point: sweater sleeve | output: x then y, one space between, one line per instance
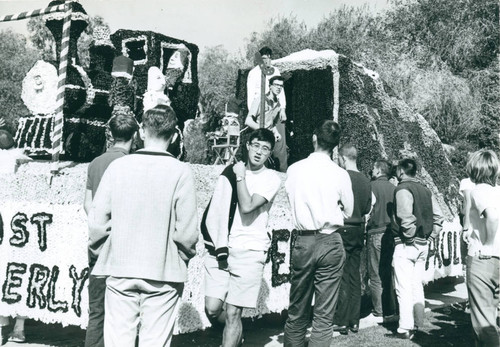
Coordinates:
346 196
437 218
99 219
186 219
405 218
218 215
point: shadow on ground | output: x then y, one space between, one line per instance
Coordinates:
52 335
445 326
257 332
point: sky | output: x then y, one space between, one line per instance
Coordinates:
205 23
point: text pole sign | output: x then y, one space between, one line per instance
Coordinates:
43 262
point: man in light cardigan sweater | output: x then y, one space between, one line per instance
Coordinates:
145 207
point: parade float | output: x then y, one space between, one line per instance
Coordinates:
43 230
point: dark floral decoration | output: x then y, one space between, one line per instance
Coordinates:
278 258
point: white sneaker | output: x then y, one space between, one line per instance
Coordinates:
17 336
375 319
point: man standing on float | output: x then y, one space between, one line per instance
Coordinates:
254 93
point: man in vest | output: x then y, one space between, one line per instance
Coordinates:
417 221
353 234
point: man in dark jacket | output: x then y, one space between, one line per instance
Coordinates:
349 304
417 222
380 242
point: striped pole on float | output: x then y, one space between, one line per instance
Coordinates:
61 83
34 13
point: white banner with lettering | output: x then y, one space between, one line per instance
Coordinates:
44 267
43 262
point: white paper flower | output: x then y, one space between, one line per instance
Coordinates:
39 91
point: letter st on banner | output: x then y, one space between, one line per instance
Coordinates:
43 263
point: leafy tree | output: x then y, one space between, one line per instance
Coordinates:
352 31
16 58
439 56
463 33
218 71
285 36
42 38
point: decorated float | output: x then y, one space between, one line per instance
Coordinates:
43 230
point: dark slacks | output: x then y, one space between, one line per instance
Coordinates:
94 336
316 262
280 152
380 250
349 303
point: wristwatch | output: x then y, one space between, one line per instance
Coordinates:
240 178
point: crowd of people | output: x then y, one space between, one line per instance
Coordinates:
143 230
139 252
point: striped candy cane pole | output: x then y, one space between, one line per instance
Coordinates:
33 13
63 66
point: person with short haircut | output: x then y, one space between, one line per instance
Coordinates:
321 197
417 221
353 236
483 272
254 82
380 243
248 241
144 217
123 126
272 121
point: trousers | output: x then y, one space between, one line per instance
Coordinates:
94 337
482 285
380 249
155 303
409 268
280 151
349 302
316 269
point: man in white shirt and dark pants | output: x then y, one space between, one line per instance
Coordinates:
321 198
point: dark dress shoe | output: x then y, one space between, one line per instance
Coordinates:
342 329
354 328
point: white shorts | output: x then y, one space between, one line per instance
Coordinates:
216 279
246 268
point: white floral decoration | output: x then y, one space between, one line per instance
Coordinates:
39 91
101 36
60 16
